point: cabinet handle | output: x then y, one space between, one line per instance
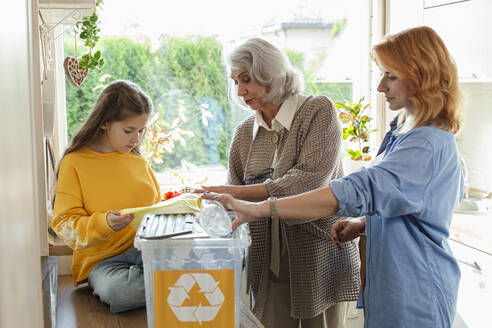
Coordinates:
474 265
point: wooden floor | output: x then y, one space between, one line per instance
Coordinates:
77 307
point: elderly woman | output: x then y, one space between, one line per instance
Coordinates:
289 145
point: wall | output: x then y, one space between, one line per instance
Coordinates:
402 14
20 169
465 29
474 141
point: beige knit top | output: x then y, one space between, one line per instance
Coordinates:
308 157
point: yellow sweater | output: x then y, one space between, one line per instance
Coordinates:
90 184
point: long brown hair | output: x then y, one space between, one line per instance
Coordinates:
119 100
420 57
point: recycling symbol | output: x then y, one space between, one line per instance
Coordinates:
179 293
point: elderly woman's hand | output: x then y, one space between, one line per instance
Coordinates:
234 191
246 211
346 230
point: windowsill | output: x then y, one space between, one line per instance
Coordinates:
58 247
473 230
192 177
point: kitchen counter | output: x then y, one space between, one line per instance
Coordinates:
473 230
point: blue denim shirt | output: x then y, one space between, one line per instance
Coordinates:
408 199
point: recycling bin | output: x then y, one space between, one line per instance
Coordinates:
192 279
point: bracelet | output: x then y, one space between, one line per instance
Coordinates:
273 207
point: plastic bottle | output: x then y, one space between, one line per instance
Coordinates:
214 219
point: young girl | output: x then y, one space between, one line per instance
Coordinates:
99 174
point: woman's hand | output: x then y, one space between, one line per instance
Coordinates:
246 211
346 230
252 193
234 191
118 222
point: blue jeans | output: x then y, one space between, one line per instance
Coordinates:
119 281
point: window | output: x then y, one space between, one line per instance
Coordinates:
175 52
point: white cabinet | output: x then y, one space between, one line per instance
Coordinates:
475 291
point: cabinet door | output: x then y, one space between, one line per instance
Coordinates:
475 291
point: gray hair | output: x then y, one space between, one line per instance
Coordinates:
267 65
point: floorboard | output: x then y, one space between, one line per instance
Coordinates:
77 307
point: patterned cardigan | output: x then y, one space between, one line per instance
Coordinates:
308 157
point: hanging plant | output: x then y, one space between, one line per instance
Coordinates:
88 29
76 70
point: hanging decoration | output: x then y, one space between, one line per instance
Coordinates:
46 48
75 74
76 70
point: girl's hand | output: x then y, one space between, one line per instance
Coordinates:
118 222
346 230
246 211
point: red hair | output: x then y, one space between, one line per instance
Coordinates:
420 57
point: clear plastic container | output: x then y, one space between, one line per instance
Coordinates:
194 280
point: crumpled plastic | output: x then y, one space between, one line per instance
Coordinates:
182 204
214 219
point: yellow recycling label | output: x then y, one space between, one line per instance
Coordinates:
202 298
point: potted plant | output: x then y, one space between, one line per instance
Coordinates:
356 129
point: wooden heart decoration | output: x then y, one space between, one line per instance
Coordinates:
76 75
